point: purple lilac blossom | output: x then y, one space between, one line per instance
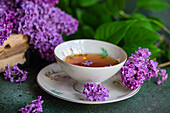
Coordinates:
7 4
7 21
138 68
15 74
13 4
52 2
94 92
34 107
44 24
162 76
87 63
49 2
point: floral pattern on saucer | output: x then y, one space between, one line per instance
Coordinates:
57 83
57 76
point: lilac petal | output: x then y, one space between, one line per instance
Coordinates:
159 82
34 107
94 92
15 74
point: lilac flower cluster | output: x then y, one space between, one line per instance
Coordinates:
34 107
7 21
44 24
13 4
52 2
94 92
15 74
138 68
162 76
87 63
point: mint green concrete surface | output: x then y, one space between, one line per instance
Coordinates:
152 98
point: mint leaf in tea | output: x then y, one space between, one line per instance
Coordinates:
91 60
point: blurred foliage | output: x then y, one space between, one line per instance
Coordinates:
165 51
105 20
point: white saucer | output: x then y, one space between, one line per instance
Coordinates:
54 81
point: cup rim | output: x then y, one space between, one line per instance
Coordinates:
89 67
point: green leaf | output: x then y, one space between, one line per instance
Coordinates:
163 45
64 5
155 5
154 59
74 3
153 49
137 37
84 32
165 51
151 23
59 93
95 15
79 15
142 21
114 6
86 3
138 16
132 48
104 52
113 32
155 26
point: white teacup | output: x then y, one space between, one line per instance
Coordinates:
89 74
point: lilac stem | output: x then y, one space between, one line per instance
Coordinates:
164 64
